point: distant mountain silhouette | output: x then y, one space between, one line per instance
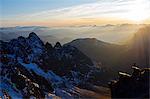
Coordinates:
105 53
110 33
140 46
117 56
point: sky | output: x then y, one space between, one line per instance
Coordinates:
73 12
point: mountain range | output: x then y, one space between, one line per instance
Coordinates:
79 69
30 68
117 56
66 34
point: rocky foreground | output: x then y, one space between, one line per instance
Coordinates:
135 85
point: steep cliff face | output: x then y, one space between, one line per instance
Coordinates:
135 85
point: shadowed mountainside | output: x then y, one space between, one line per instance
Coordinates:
117 56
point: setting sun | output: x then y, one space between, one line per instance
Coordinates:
126 11
138 11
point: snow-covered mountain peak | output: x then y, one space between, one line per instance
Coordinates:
30 68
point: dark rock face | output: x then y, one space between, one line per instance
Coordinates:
14 76
48 46
57 46
131 86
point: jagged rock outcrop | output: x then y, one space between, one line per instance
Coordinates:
18 75
58 45
48 46
135 85
30 68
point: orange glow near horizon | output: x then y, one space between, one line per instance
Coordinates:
100 12
73 22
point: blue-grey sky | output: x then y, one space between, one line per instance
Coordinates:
14 7
73 12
